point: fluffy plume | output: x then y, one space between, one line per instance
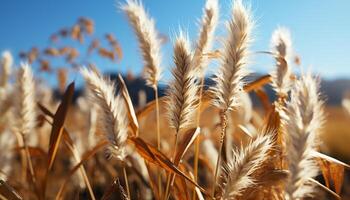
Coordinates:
282 48
6 64
238 174
206 35
182 93
305 118
25 103
149 43
234 59
113 116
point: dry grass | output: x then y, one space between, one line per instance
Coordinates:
241 152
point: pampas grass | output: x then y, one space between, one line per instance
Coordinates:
182 95
274 148
113 115
282 48
305 117
147 36
25 105
205 39
238 174
229 78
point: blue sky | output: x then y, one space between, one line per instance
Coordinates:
320 28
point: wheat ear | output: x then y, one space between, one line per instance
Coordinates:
229 78
239 173
113 116
303 120
282 48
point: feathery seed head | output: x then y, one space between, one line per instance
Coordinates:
303 121
25 101
209 22
144 28
238 175
282 48
182 93
113 116
229 78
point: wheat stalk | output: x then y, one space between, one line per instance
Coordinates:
282 48
239 173
229 78
113 116
305 117
144 28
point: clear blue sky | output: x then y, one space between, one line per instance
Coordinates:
320 28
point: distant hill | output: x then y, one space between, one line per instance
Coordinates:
332 90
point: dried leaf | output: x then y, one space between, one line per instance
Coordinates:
264 98
7 192
332 170
324 188
58 122
152 155
257 83
33 151
131 112
272 123
184 145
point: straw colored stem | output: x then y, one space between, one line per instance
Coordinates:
222 137
126 180
197 142
158 137
171 177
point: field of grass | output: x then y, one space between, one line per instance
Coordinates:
192 143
